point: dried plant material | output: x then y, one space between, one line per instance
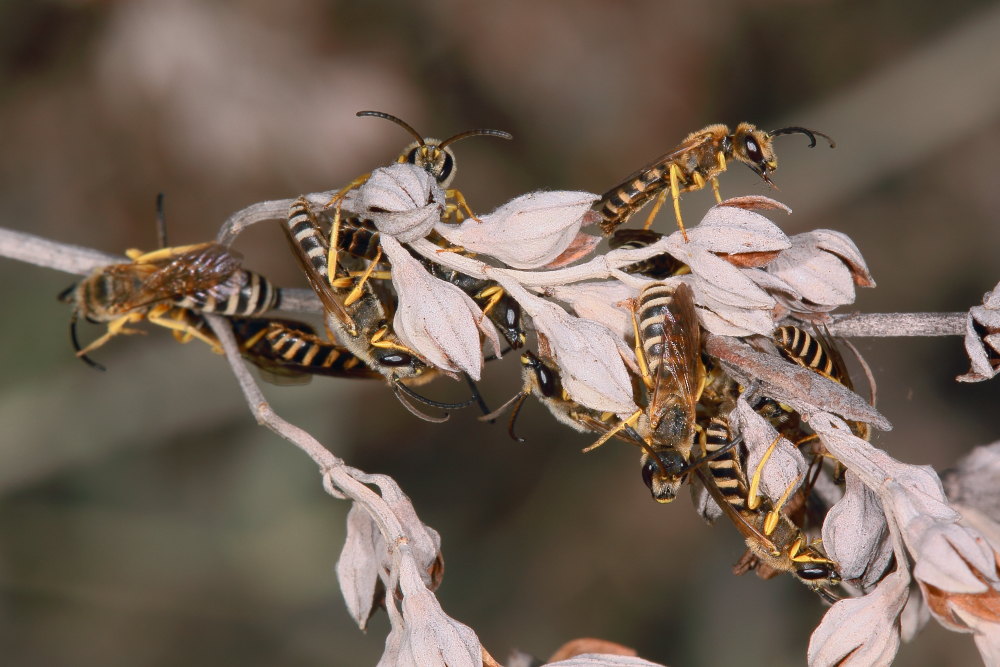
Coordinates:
750 260
863 631
588 354
756 203
803 389
358 565
579 247
785 467
854 531
585 645
403 200
437 319
975 481
602 302
732 230
527 232
823 270
982 339
914 616
603 660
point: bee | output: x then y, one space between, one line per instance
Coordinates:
818 353
773 539
668 349
164 287
433 156
291 349
656 267
362 325
696 162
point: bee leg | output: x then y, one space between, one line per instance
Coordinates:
377 341
182 327
771 520
333 249
715 190
115 328
675 192
458 207
621 426
356 293
657 205
140 257
640 353
342 192
493 293
753 495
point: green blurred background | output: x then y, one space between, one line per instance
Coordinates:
146 519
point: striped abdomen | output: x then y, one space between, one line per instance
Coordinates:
243 293
725 470
306 350
657 267
306 233
654 306
618 205
805 350
358 237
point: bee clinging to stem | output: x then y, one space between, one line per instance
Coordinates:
692 165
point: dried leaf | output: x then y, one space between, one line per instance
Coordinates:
580 247
437 319
431 637
527 232
601 302
975 481
756 202
803 389
861 631
359 564
403 200
784 467
588 354
816 268
589 645
730 229
602 660
982 339
854 529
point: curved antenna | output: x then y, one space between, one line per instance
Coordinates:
401 396
398 121
76 344
806 131
500 134
476 397
161 222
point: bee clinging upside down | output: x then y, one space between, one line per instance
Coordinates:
695 163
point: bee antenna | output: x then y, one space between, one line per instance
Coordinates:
725 449
806 131
398 121
76 344
401 396
500 134
66 296
431 402
476 395
161 221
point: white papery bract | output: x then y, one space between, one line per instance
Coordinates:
823 266
437 319
601 302
982 339
403 200
588 354
854 530
785 466
527 232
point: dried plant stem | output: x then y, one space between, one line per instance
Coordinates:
81 261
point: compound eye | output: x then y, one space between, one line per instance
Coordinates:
546 381
413 155
753 149
648 471
446 169
395 359
814 573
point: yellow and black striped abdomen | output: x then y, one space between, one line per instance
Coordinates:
243 293
618 205
358 237
654 305
726 469
805 350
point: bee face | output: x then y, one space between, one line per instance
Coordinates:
664 474
429 156
753 147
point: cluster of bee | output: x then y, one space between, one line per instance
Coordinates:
682 426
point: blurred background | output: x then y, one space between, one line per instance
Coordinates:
146 519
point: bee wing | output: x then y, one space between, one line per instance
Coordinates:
680 370
688 145
331 300
746 529
828 343
172 273
598 426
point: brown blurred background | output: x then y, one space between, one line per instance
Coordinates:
146 519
